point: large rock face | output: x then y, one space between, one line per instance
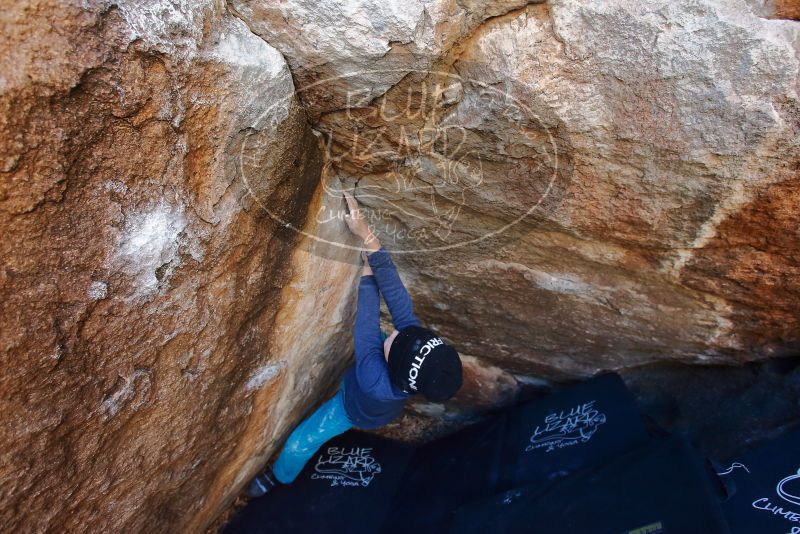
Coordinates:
142 146
567 186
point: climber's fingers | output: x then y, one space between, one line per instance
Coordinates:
352 206
353 221
356 219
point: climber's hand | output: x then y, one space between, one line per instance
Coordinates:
357 223
355 218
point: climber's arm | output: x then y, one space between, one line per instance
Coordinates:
391 287
371 370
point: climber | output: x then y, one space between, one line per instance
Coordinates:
386 372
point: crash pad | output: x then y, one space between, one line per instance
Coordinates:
579 426
534 443
361 483
444 473
348 486
660 487
765 488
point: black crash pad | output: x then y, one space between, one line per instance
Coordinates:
765 486
346 487
445 473
661 487
580 426
419 490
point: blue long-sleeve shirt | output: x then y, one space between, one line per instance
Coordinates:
370 398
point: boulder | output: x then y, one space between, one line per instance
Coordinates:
571 186
148 151
567 187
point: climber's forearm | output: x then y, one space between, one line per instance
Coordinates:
372 243
391 287
370 246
